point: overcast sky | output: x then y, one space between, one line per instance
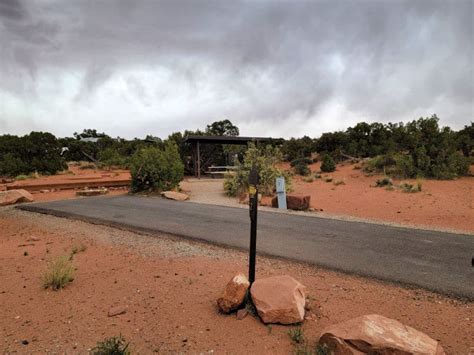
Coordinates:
274 68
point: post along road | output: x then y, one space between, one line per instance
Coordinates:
436 261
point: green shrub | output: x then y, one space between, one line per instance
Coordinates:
109 157
112 346
304 161
322 350
59 273
155 169
266 160
458 164
327 164
302 169
21 177
296 335
11 165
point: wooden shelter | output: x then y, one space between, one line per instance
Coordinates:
196 141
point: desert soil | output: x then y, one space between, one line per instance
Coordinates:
445 204
169 287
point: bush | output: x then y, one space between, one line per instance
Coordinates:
59 273
302 169
304 161
328 164
112 346
266 160
11 165
153 169
109 157
458 164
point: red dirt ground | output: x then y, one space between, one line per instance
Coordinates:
445 204
169 288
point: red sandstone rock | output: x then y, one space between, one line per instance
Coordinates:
234 294
375 334
13 196
279 299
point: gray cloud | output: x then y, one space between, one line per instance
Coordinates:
280 68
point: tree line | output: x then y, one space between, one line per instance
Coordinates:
418 148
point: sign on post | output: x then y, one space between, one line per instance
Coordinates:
281 192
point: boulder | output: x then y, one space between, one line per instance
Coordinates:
375 334
14 196
173 195
279 299
234 294
294 202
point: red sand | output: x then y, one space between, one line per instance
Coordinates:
445 204
170 298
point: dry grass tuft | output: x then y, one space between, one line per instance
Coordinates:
59 273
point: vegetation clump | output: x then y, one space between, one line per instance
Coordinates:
59 273
112 346
339 182
155 169
266 160
296 335
327 164
410 188
385 181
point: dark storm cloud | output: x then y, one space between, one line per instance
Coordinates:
268 66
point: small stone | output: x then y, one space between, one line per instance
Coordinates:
242 313
173 195
234 294
25 342
115 311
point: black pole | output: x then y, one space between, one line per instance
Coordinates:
253 202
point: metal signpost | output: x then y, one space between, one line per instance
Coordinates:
253 205
281 192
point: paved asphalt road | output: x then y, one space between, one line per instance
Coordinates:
433 260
